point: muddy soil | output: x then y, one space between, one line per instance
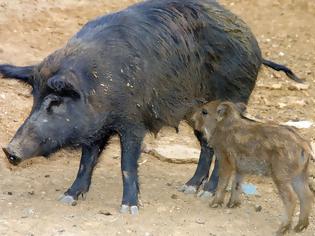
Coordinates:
32 29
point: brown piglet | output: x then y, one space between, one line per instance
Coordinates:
244 146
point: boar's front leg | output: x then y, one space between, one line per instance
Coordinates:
202 171
131 141
80 186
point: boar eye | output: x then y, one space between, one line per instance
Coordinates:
53 102
204 112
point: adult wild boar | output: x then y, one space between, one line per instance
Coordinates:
135 71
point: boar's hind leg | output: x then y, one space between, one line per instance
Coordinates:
130 153
202 171
80 186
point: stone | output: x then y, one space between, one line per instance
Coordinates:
175 153
303 124
298 86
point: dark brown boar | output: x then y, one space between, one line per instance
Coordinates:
244 146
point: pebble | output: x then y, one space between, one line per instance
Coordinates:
277 86
106 213
298 87
200 221
303 124
258 208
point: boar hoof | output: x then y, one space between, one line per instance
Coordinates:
204 194
67 199
124 209
134 210
188 189
82 196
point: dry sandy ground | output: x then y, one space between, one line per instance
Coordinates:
31 29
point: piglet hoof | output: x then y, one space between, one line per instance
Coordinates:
216 204
124 209
67 199
204 194
233 204
284 228
188 189
301 226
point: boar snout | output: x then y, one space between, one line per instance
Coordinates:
13 158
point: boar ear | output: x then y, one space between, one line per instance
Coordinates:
23 73
222 111
241 107
63 87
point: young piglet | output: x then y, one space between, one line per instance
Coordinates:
244 146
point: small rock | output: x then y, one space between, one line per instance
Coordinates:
106 213
176 153
200 221
258 208
145 148
10 193
281 105
47 176
298 87
303 124
271 86
174 196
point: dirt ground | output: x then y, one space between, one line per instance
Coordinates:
32 29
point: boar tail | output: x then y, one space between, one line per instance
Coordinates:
283 68
23 73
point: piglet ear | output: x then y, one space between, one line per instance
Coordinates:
62 86
222 110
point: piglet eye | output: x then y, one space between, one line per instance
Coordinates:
204 112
